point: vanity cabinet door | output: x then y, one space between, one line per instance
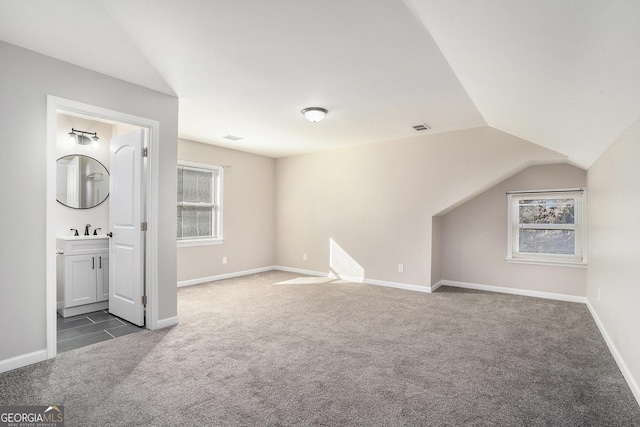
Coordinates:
80 272
103 276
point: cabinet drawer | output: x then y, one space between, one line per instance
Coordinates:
82 246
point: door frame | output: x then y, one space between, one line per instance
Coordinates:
150 177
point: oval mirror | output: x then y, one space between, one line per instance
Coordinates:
82 181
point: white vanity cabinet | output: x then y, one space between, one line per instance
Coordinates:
83 274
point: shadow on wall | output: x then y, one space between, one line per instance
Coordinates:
342 265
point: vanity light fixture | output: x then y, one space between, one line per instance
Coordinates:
79 137
314 114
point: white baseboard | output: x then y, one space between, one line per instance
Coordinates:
513 291
366 281
405 286
437 285
397 285
353 279
633 384
169 321
224 276
301 271
22 360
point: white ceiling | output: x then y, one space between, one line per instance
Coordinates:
560 73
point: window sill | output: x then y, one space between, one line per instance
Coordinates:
574 264
199 242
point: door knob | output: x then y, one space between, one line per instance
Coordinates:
110 234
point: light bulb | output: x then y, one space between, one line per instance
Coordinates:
314 114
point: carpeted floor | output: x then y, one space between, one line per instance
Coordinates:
251 352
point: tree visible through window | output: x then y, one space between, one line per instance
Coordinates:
199 210
546 226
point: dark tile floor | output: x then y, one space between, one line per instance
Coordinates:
85 329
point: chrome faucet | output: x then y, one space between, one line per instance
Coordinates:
86 230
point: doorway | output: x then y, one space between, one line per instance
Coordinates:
147 186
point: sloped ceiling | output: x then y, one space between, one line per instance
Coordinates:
561 74
564 74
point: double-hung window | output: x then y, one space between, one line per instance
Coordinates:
547 227
199 204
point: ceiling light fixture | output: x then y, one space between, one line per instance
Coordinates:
314 114
78 137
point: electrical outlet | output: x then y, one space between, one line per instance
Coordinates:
224 259
304 257
400 268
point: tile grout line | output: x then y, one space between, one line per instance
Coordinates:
80 336
109 317
88 324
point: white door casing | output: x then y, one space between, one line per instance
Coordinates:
151 127
126 251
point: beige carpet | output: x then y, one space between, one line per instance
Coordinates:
276 350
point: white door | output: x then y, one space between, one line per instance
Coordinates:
126 258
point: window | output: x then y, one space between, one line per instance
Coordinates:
199 204
547 227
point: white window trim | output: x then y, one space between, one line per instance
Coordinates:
579 261
183 243
206 241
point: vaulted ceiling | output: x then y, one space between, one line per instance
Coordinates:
563 74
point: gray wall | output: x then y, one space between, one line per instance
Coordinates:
377 201
248 214
26 78
436 249
474 237
614 249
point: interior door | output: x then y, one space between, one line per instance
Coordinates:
126 257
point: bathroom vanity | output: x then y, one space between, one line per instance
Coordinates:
82 274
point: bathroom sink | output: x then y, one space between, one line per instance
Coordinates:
99 236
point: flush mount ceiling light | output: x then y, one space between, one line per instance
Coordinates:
314 114
79 137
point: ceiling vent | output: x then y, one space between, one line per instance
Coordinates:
232 137
422 126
